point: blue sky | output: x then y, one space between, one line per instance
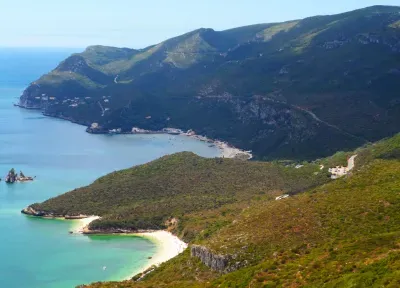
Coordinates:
133 23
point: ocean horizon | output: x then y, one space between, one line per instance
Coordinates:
40 253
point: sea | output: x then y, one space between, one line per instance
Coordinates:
40 253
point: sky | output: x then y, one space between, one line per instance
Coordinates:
140 23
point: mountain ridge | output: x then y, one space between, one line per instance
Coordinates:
342 68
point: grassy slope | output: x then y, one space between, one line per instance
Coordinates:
179 186
342 234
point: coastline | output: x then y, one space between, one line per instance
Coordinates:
168 245
227 150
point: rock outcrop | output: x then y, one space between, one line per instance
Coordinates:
12 177
32 212
216 262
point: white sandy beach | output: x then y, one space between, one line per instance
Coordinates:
228 151
168 245
82 223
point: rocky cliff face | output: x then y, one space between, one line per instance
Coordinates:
220 263
32 97
32 212
214 261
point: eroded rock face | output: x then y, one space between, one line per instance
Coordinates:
214 261
217 262
32 97
30 211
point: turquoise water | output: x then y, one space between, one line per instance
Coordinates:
39 253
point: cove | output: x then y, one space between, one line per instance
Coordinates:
39 253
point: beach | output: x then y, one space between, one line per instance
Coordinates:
227 150
83 223
168 245
63 162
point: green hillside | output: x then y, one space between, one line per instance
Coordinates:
341 233
283 90
344 233
175 186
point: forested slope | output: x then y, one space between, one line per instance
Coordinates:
298 90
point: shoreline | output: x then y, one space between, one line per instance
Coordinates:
227 150
167 245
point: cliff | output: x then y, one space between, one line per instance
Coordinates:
220 263
32 212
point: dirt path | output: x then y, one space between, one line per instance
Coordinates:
350 162
316 118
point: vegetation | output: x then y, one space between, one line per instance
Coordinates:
388 148
253 86
291 91
344 233
297 90
181 186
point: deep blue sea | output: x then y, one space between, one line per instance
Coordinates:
38 253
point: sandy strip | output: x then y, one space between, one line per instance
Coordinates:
168 245
83 223
228 151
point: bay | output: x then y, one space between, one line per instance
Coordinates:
39 253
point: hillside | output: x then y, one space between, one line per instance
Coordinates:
176 186
341 234
300 89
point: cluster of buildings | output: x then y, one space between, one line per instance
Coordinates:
71 102
341 171
74 102
338 172
44 97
